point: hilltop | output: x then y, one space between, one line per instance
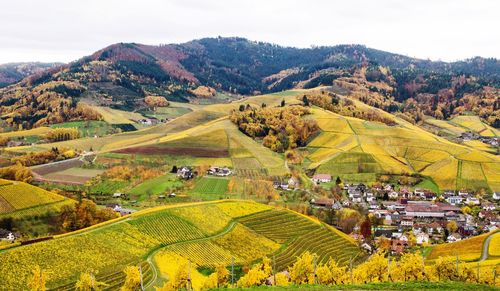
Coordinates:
215 70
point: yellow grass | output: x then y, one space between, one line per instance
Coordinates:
443 172
467 250
494 249
169 263
238 209
21 133
115 116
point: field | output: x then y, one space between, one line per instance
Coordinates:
18 195
72 176
211 186
494 249
88 128
359 151
208 234
156 185
115 116
466 250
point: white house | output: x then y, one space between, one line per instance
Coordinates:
454 237
453 200
393 195
323 178
472 201
496 195
422 238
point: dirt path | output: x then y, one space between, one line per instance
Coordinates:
486 246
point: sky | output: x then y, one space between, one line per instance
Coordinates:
66 30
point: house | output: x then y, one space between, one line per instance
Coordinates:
464 193
496 195
123 211
185 173
406 221
373 205
454 200
448 193
419 192
357 198
149 121
172 195
280 183
398 246
488 206
422 238
393 195
7 235
321 178
293 182
323 203
472 201
117 195
218 171
454 237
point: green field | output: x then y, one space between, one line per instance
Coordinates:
211 186
155 186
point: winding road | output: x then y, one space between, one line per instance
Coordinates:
486 246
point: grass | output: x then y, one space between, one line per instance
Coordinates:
156 186
467 250
428 184
412 286
211 186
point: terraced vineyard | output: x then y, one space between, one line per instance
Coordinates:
291 225
322 242
243 230
167 228
18 198
300 234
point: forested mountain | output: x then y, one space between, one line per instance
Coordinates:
122 75
14 72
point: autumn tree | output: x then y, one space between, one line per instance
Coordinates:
132 279
257 275
366 228
331 273
61 134
88 282
38 280
452 226
302 271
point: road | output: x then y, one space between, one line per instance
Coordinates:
486 246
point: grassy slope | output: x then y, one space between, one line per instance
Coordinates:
359 150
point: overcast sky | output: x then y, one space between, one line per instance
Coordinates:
65 30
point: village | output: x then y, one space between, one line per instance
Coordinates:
405 218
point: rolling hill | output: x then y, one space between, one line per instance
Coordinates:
207 234
215 70
354 149
18 199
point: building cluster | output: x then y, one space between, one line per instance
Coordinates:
421 212
491 140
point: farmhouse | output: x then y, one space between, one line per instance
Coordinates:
322 178
185 173
323 202
218 171
454 200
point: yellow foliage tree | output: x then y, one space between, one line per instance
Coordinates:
302 271
38 281
257 275
373 270
87 282
282 280
132 279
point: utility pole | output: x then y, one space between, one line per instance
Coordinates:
189 275
232 272
274 269
350 270
457 264
314 262
389 266
140 272
478 272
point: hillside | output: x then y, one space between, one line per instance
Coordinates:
355 149
207 234
215 70
18 199
14 72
